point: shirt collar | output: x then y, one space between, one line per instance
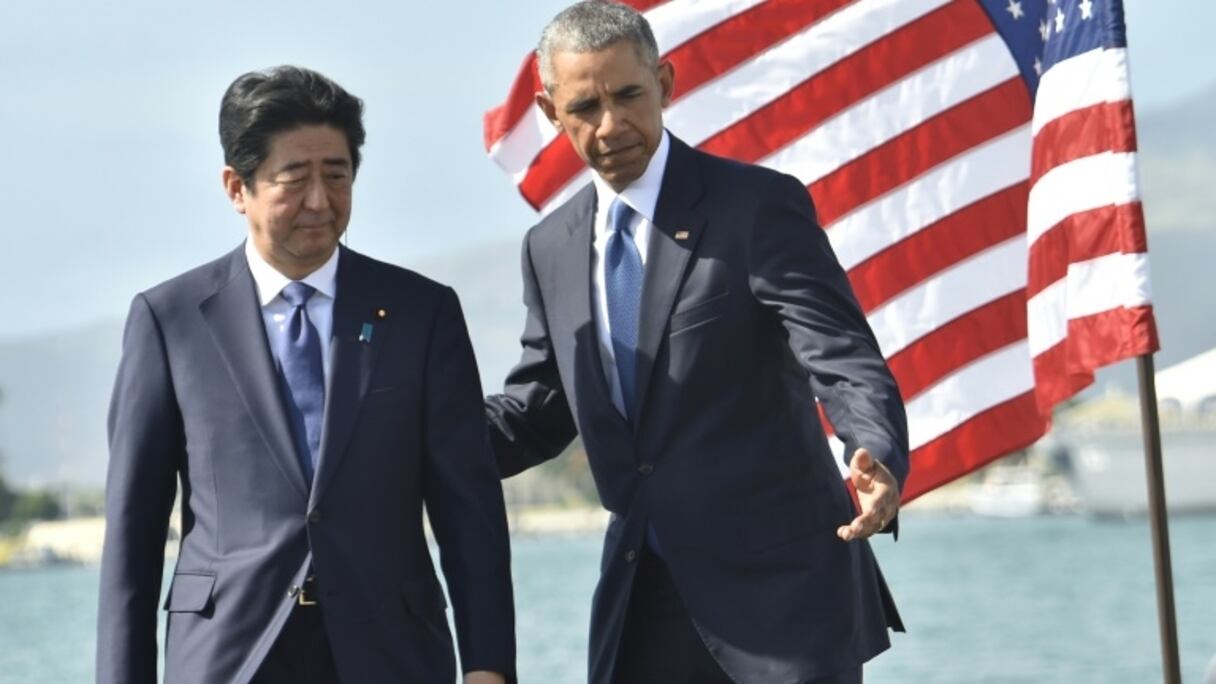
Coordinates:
642 194
270 282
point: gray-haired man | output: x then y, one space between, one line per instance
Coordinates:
684 311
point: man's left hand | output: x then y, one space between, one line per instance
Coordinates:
484 677
878 494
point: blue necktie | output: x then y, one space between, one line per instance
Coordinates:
299 353
623 281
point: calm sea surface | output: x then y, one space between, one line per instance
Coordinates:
1050 599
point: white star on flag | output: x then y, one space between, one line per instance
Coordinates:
1015 8
1060 21
1044 30
1087 9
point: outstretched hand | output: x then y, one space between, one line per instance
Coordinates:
878 494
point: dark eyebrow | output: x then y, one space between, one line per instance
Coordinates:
291 166
630 89
331 161
582 103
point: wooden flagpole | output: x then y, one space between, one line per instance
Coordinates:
1151 428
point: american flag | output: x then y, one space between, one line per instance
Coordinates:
974 165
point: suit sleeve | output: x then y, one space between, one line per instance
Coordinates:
146 449
530 422
794 272
464 499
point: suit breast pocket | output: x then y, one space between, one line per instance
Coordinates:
385 397
698 313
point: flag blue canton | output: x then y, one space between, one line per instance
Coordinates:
1041 33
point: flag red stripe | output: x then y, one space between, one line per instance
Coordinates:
499 121
980 332
1105 127
742 37
1006 427
698 60
643 5
920 149
1052 383
964 233
555 166
1092 342
1084 236
850 80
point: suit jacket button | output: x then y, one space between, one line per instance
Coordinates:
315 516
631 556
646 468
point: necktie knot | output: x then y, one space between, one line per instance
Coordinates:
618 217
297 293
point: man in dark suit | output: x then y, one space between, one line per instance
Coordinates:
311 401
684 312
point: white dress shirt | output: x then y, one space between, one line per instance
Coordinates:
642 196
276 310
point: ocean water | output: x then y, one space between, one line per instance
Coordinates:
1045 599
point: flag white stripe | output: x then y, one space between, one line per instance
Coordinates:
935 301
1090 78
899 107
842 460
516 150
1100 180
969 391
957 398
1089 287
753 84
959 182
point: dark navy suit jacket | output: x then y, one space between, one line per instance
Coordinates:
197 401
746 318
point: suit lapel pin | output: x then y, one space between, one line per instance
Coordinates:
681 234
365 333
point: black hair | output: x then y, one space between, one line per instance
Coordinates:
260 104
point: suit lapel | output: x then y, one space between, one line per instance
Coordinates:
574 276
678 228
236 325
351 364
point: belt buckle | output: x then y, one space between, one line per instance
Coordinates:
306 597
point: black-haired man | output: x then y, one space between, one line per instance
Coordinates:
311 401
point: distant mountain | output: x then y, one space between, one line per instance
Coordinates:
56 387
1178 165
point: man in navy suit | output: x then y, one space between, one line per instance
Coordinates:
684 312
310 401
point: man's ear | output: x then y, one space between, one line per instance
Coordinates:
667 81
235 188
545 102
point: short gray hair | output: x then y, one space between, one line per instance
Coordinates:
591 26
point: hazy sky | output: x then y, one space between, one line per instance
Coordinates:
110 181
